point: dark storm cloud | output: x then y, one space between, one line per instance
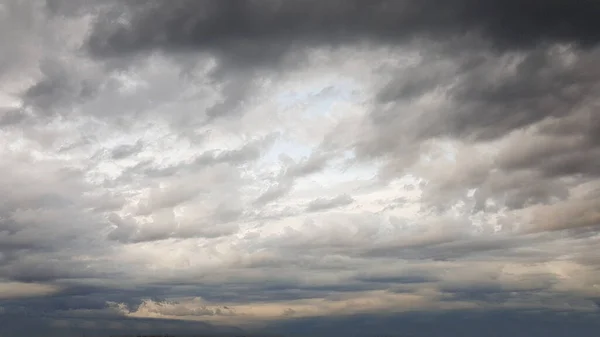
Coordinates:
40 269
243 29
484 106
486 95
482 103
495 323
255 33
21 324
542 84
540 101
274 35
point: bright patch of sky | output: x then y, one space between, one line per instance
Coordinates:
312 100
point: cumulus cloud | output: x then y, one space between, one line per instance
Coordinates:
270 164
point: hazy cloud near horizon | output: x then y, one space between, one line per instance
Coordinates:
258 164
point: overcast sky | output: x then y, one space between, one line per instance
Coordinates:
425 167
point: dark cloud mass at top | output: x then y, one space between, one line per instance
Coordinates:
300 167
219 25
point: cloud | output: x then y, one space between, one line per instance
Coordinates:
200 25
573 214
324 204
244 315
299 165
173 309
9 290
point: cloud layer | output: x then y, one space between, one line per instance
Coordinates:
291 165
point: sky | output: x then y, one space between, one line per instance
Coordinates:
301 167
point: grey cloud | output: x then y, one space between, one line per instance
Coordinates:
12 117
125 227
274 192
41 207
124 151
511 85
213 191
44 208
273 35
446 248
236 91
541 85
206 229
157 25
322 204
538 101
293 170
165 227
571 214
166 198
57 87
39 270
220 25
32 322
227 212
248 153
464 322
314 163
514 190
398 278
485 96
19 20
